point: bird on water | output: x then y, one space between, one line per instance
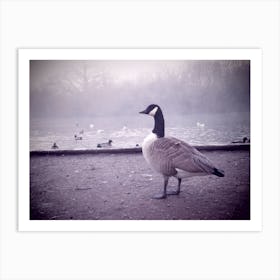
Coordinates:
104 145
244 140
172 157
54 146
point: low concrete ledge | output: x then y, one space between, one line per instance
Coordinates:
231 147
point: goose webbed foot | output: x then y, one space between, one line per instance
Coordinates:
173 192
159 196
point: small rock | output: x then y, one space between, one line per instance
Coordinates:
82 188
147 175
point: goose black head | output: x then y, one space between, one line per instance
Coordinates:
155 111
151 110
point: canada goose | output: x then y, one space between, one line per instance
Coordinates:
244 140
54 146
103 145
78 137
172 157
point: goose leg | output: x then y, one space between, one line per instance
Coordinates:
163 195
178 188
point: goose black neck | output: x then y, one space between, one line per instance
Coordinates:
159 124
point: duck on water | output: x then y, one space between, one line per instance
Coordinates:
105 145
244 141
172 157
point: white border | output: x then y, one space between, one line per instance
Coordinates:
254 55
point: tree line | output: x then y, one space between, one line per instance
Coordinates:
82 89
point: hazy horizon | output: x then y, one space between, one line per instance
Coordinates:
78 89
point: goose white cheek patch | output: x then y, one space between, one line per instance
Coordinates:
153 112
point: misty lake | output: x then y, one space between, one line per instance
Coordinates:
128 131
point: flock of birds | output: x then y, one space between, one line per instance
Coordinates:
80 136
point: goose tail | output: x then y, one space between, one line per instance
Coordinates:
218 172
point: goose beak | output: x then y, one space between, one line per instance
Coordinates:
143 112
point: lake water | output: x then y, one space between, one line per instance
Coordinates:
127 132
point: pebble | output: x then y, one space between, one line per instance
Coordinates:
147 175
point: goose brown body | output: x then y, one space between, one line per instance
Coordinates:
168 155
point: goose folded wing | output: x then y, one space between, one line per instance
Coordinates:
183 156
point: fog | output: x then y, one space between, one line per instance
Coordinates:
109 88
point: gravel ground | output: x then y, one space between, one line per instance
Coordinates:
120 187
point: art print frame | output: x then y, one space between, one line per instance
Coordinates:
25 224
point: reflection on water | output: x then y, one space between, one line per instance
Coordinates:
130 131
